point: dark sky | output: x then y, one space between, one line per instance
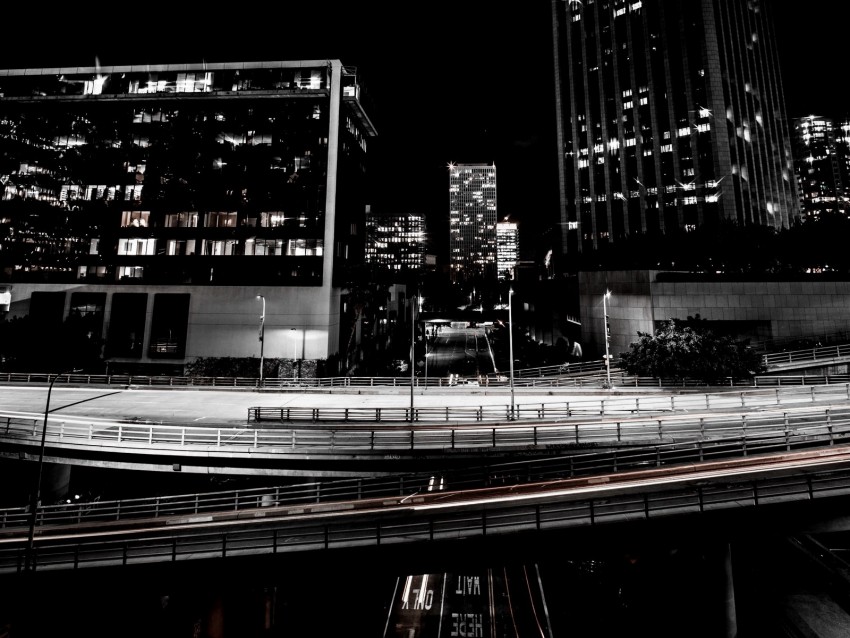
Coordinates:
457 81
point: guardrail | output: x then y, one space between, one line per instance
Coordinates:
825 354
639 421
577 367
567 378
584 463
552 410
584 380
414 522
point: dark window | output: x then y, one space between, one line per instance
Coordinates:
127 325
169 326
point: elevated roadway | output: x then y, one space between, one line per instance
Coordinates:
771 483
294 441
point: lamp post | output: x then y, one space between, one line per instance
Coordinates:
426 358
262 334
605 298
294 332
511 348
36 493
425 340
412 357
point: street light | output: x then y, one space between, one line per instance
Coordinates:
262 334
412 347
605 298
294 332
36 493
425 339
511 348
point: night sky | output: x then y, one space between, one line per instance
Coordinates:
454 81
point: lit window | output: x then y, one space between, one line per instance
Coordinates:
136 246
135 218
220 220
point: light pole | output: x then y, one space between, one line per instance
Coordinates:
605 298
36 493
262 334
511 348
425 340
412 346
294 332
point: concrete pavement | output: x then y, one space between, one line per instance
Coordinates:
180 406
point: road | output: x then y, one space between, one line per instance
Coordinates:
184 406
461 351
230 407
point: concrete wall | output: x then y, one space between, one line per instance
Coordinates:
629 310
771 309
224 321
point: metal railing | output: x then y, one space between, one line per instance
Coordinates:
390 523
824 354
589 379
609 405
545 378
749 442
640 419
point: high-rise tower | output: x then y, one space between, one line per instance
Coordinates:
507 240
820 154
670 115
395 242
472 220
160 204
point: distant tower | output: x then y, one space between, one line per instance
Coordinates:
819 149
472 220
507 242
395 242
670 115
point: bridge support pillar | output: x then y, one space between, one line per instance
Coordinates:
55 481
214 621
730 615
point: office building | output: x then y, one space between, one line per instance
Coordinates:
670 115
395 242
820 154
507 249
164 203
472 221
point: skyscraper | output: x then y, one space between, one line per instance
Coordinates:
395 243
472 220
160 204
507 241
670 115
820 154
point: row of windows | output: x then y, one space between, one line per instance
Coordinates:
165 82
217 219
251 246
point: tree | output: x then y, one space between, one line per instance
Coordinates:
690 351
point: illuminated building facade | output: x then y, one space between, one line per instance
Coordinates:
395 243
161 202
472 220
671 115
820 152
507 249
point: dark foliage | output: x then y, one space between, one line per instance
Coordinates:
677 351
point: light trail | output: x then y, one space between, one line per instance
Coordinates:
574 489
